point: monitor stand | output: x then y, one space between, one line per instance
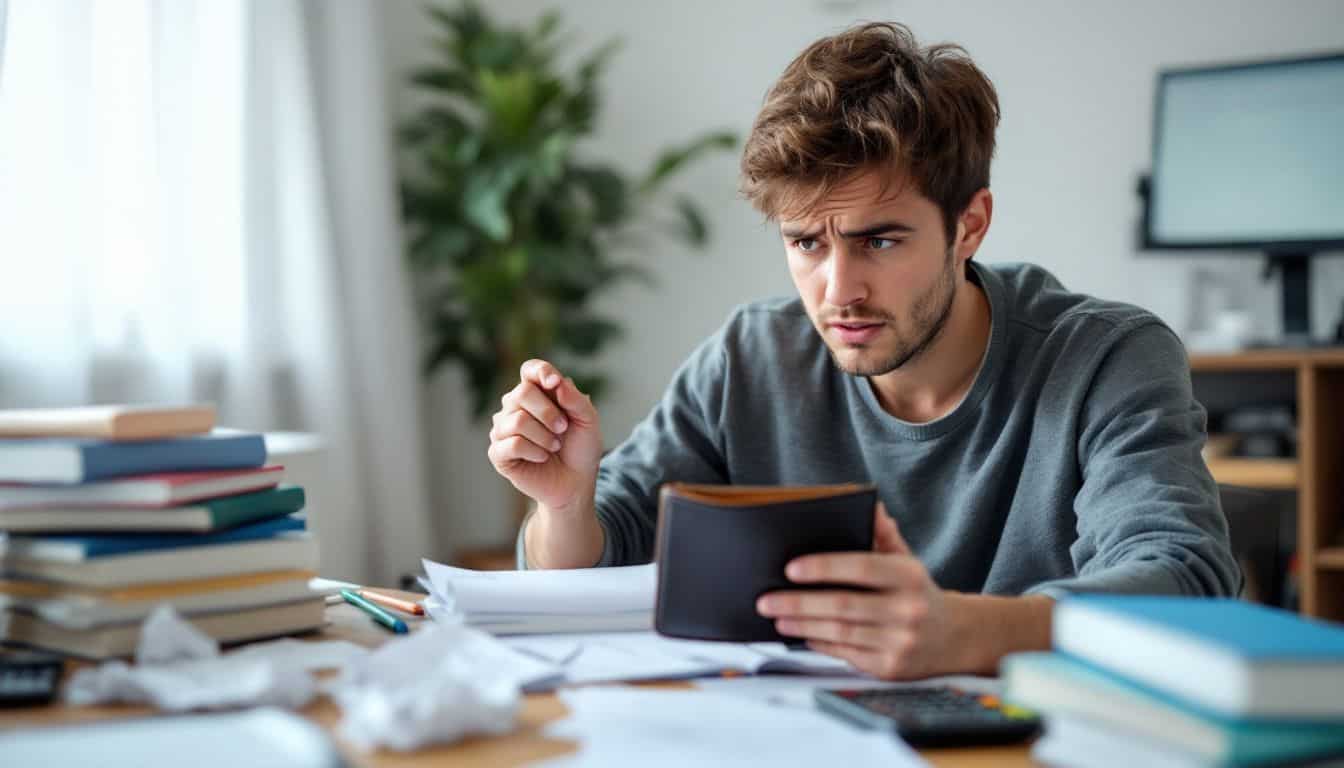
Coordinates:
1295 281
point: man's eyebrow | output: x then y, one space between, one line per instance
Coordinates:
798 234
880 229
884 228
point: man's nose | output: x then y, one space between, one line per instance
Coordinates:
845 281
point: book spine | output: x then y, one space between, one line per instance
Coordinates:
231 511
103 461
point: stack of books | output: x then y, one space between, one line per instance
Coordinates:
1169 681
108 512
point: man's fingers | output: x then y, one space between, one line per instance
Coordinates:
866 659
886 535
529 397
868 569
830 604
517 448
523 423
575 403
866 636
541 373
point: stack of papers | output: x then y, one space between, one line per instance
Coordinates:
530 602
631 656
618 726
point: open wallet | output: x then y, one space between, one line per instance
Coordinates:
720 547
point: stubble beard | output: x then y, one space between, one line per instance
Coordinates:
929 316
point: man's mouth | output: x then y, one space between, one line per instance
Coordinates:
856 331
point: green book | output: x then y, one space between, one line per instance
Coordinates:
201 516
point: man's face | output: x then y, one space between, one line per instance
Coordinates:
874 271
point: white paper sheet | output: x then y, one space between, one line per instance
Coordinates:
629 656
616 726
565 592
799 690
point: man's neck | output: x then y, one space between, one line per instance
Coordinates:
934 383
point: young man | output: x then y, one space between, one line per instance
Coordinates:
1029 441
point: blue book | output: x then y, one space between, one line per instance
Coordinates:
1226 656
77 549
1056 685
81 460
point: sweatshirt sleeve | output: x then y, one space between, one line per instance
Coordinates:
1149 519
678 441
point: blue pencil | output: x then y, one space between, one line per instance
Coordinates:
377 614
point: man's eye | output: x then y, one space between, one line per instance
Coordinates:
881 243
806 245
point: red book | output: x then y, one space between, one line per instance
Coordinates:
164 489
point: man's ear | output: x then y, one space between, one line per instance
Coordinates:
973 224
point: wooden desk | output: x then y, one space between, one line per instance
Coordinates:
524 745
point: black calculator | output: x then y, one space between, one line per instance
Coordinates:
933 716
27 679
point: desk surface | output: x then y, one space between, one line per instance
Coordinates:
524 745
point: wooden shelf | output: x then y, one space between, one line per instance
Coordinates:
1331 558
1269 360
1265 474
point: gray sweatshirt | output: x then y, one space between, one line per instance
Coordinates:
1072 464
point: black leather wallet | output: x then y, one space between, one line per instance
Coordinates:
720 547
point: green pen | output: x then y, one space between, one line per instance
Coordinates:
376 613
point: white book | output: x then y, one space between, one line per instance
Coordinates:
122 639
85 608
109 422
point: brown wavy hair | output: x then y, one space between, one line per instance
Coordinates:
872 98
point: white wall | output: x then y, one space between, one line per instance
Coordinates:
1075 82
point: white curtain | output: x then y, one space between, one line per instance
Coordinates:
197 203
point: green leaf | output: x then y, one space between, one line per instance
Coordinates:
593 385
443 79
485 198
607 190
585 335
440 246
510 101
694 228
672 160
596 62
546 25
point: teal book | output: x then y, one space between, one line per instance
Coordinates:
1058 686
210 515
1231 657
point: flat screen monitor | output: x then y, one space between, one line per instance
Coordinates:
1250 156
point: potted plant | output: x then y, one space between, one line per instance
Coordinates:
512 233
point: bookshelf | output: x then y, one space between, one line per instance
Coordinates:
1314 381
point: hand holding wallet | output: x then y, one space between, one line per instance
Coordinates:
720 547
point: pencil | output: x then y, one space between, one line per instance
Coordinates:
377 614
388 601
